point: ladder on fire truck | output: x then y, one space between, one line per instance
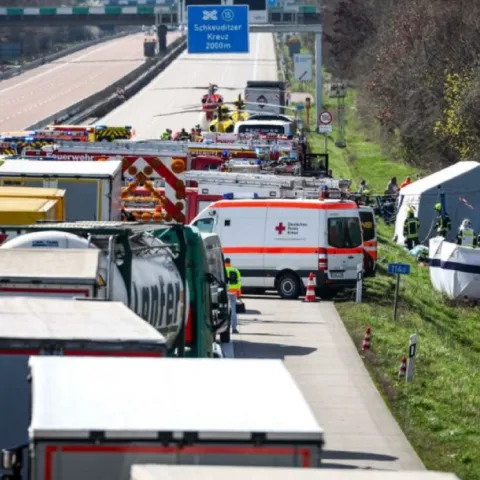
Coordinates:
250 140
126 147
206 146
274 181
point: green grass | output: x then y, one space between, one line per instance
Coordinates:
440 411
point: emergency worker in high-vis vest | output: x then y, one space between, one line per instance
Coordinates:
234 280
411 229
466 235
166 135
443 223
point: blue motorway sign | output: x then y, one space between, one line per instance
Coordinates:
218 29
398 268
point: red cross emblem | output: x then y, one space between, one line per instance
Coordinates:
280 228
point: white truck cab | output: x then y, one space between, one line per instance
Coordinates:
277 243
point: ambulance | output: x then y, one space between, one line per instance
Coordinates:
277 243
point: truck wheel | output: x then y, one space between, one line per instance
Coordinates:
225 337
289 287
241 307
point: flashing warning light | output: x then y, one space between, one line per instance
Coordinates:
243 195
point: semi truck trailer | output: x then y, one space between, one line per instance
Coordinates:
160 272
45 327
164 411
195 472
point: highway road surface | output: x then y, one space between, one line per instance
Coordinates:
43 91
173 90
360 431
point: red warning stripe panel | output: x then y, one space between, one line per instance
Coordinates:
166 174
50 450
171 209
82 353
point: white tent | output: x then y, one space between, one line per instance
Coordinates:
459 182
454 270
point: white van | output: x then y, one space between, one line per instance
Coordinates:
216 266
276 244
264 127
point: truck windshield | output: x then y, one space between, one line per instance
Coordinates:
344 232
205 225
368 225
262 128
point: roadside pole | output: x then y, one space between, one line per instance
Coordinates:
397 269
412 350
318 73
358 296
324 122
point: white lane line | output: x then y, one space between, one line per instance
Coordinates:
63 65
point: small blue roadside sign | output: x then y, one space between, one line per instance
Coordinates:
399 268
218 29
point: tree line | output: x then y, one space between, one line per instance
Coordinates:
416 66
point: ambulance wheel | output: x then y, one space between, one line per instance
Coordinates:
289 286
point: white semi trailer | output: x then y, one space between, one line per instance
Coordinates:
96 417
45 327
194 472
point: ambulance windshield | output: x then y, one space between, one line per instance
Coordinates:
205 225
344 232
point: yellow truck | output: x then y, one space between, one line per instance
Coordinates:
38 192
26 211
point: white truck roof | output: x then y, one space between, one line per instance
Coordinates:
200 472
66 266
42 168
262 122
28 318
155 397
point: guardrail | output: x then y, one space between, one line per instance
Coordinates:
14 71
103 102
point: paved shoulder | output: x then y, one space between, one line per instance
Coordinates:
360 431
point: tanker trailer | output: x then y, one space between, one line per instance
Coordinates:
137 269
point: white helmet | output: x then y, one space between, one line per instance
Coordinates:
466 223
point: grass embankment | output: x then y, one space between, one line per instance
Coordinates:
440 411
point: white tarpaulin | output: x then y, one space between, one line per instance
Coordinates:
454 270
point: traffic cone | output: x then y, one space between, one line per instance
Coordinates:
402 371
367 339
310 294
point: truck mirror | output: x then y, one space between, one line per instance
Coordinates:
209 277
